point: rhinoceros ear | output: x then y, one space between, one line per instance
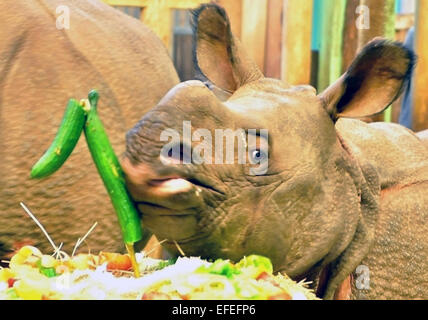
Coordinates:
217 53
373 81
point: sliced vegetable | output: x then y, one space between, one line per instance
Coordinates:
80 262
221 267
155 296
165 263
65 140
11 292
27 290
255 265
280 296
61 269
48 261
248 288
27 251
119 262
10 282
256 261
47 271
6 274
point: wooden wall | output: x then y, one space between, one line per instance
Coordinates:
279 35
420 98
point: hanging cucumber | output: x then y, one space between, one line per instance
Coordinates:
65 140
83 116
111 173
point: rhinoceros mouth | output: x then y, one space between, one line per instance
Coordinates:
172 243
183 181
152 208
173 195
174 174
203 184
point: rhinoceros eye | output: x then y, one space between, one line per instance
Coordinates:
258 152
258 156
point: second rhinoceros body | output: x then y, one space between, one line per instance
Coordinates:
44 63
341 202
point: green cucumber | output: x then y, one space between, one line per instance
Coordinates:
111 173
65 140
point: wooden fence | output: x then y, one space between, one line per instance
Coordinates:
307 41
420 106
157 14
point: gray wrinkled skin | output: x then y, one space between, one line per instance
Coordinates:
338 193
42 67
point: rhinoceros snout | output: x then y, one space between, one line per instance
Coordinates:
163 188
169 203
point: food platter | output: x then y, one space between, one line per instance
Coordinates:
32 275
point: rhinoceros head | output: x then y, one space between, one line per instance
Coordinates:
294 194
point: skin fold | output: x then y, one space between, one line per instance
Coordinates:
338 193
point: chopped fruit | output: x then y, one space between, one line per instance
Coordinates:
62 269
17 259
10 282
32 288
6 274
280 296
264 276
80 262
107 256
48 272
155 296
120 262
27 251
48 261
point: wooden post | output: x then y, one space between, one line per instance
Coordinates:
330 60
185 4
382 21
273 39
253 29
315 41
296 41
127 3
234 11
382 24
420 98
350 33
157 16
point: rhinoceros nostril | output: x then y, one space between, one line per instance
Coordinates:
178 153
